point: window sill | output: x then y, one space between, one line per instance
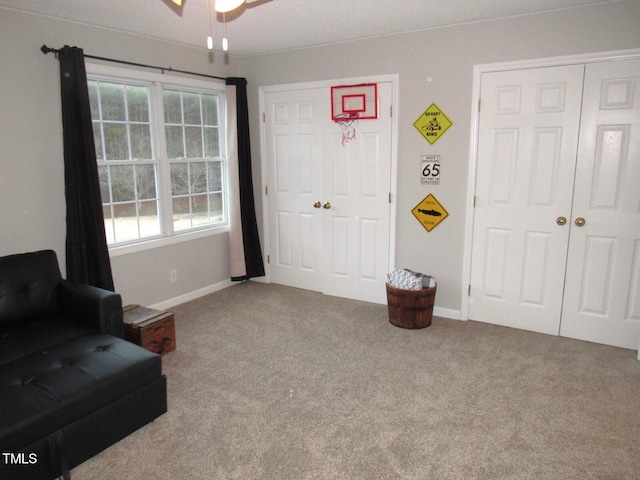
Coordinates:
150 244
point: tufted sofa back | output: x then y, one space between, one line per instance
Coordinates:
28 286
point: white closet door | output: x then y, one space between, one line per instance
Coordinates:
602 293
294 149
357 179
527 143
329 208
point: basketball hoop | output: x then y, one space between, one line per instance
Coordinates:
346 122
351 103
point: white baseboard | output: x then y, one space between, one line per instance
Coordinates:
187 297
447 313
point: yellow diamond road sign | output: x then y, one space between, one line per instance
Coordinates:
429 212
432 123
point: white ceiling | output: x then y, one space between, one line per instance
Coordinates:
275 25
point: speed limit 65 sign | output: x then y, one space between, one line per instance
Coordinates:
430 169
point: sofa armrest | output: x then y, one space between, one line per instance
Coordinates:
96 307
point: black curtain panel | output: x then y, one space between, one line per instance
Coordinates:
86 246
253 262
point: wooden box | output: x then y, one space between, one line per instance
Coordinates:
151 329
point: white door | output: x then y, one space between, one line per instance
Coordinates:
328 199
526 164
602 294
294 180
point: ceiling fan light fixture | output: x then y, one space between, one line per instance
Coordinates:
177 2
209 38
223 6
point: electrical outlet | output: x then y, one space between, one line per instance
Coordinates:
173 276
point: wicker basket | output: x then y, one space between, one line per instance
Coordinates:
410 308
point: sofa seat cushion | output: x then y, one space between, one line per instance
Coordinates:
46 390
22 339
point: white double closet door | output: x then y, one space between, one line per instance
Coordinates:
556 239
328 199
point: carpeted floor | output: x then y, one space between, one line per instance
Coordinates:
271 382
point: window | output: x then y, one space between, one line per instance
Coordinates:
160 153
192 132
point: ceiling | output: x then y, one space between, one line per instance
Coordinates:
276 25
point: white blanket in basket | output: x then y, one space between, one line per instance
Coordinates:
407 280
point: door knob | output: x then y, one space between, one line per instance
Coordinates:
317 204
580 222
326 205
561 221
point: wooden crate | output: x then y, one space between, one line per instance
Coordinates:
151 329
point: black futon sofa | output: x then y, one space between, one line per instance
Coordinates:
70 386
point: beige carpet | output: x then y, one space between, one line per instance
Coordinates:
271 382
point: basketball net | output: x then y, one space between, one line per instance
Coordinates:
346 122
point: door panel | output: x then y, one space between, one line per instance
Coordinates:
602 295
295 180
358 178
527 141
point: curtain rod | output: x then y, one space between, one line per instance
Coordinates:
44 49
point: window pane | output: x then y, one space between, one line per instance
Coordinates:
194 142
191 103
216 207
138 101
108 223
210 110
146 181
103 175
125 222
122 183
179 179
97 139
198 177
181 216
149 220
140 141
215 176
172 106
199 210
175 142
93 100
211 143
116 141
112 96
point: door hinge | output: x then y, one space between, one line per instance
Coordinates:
469 291
391 110
479 103
264 117
474 201
266 189
268 258
389 197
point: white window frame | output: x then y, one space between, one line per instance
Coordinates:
168 236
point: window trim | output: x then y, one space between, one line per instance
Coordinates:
170 81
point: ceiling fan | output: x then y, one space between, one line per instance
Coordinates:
220 6
223 6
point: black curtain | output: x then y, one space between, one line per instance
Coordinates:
254 265
86 247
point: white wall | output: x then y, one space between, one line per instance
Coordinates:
32 205
31 170
437 66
